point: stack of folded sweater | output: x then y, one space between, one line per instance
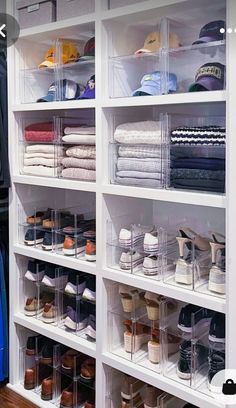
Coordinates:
80 160
139 154
198 158
41 156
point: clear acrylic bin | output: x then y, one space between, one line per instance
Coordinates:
37 85
139 152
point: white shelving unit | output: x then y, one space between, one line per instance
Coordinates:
111 199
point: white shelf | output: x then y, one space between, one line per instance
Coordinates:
73 263
57 28
58 105
57 334
181 98
55 182
173 196
159 381
200 299
30 396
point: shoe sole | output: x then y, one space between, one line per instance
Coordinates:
183 376
217 288
46 397
32 243
216 339
91 332
130 265
185 279
73 325
71 252
87 380
150 271
199 326
32 313
90 258
129 396
29 386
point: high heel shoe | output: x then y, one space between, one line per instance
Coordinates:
183 269
200 243
217 272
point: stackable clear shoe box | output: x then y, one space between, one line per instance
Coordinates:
127 68
62 377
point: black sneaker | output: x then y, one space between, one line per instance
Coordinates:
193 317
185 358
55 276
216 361
217 328
34 345
34 237
89 292
35 270
76 283
47 352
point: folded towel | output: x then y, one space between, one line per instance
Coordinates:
148 165
139 182
44 148
41 161
80 139
89 164
45 155
139 174
141 152
79 174
41 171
147 132
40 132
80 130
82 152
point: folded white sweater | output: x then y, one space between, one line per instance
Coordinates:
44 148
80 139
80 130
146 132
41 161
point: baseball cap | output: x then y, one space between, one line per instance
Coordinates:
211 32
152 42
67 88
89 92
69 53
209 77
89 50
151 84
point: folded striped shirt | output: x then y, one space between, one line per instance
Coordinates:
206 135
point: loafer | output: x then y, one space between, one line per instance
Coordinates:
47 389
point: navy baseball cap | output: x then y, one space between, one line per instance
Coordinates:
64 90
209 77
211 32
89 92
151 84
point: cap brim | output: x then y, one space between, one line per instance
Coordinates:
147 90
208 83
203 40
47 98
47 64
142 51
87 58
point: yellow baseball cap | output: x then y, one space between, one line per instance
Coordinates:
69 53
152 42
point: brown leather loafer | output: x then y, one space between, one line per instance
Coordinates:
30 378
47 389
88 369
70 359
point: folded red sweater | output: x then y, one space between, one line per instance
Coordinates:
40 132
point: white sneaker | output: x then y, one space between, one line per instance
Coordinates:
150 265
128 238
217 280
88 294
130 260
73 289
150 243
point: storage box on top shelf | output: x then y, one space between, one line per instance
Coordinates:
78 138
71 8
138 152
35 12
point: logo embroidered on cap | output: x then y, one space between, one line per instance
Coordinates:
148 78
209 71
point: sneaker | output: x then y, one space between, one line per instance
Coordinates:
48 241
150 243
90 250
34 237
89 292
35 270
130 237
217 328
151 265
185 358
76 319
216 361
151 395
130 387
74 245
131 298
193 317
76 283
130 260
55 277
91 327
